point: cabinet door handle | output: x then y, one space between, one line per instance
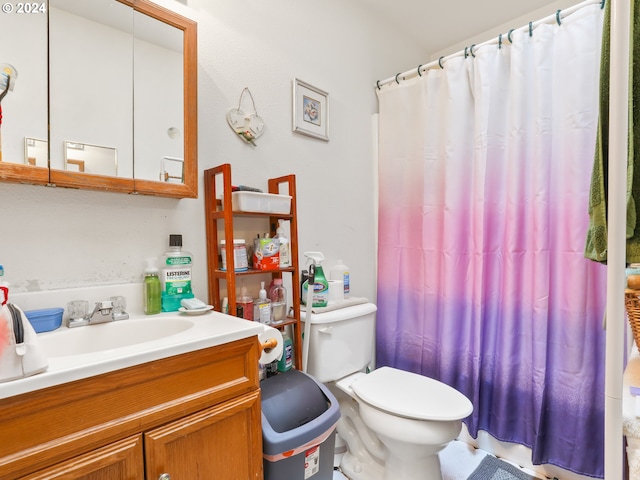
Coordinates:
164 476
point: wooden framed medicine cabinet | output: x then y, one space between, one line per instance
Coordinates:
138 170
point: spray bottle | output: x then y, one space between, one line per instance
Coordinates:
320 291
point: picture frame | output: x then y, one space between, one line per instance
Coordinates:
310 110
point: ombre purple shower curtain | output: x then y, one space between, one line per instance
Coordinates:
484 171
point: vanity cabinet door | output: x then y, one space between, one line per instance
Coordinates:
222 443
122 460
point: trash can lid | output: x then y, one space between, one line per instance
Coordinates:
296 408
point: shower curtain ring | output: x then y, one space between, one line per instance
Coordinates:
499 41
509 35
471 50
602 4
531 29
465 52
397 75
419 67
440 62
558 17
378 84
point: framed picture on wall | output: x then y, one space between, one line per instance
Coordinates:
310 110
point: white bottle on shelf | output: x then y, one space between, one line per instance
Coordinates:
341 272
262 309
284 251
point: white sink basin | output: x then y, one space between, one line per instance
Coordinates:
82 352
107 336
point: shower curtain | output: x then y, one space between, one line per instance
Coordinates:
484 172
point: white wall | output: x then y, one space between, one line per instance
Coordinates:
53 238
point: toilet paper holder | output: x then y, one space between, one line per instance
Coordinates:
269 344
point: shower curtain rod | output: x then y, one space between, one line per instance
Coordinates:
501 39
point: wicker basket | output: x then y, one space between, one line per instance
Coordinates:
632 302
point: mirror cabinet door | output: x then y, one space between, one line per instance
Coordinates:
23 93
166 97
158 104
91 87
106 59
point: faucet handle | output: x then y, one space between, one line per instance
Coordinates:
105 305
77 309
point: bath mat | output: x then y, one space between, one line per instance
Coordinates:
492 468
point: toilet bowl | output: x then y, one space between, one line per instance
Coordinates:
414 416
393 422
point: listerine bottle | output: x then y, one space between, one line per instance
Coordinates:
176 275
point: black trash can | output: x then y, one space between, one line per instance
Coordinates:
299 416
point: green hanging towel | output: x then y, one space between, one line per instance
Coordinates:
596 244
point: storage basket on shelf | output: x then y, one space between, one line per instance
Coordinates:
632 303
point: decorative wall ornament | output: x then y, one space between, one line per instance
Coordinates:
310 110
248 126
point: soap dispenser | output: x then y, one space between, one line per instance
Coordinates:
278 297
262 309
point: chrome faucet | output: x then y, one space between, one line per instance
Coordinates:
102 312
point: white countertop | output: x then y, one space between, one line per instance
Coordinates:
208 330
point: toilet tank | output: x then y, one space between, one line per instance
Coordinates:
341 341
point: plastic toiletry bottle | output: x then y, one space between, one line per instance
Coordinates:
262 308
225 305
285 252
278 297
246 302
320 292
286 360
341 272
4 288
152 288
176 275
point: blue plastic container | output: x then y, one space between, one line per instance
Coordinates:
45 319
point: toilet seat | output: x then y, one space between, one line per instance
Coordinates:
410 395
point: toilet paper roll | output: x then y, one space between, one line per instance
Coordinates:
336 291
268 355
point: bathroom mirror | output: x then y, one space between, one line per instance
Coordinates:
97 51
91 89
158 104
23 49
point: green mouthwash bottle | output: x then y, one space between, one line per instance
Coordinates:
176 275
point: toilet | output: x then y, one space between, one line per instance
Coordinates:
393 422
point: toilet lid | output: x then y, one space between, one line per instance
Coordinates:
411 395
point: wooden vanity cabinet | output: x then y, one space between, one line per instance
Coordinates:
215 440
121 460
193 416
